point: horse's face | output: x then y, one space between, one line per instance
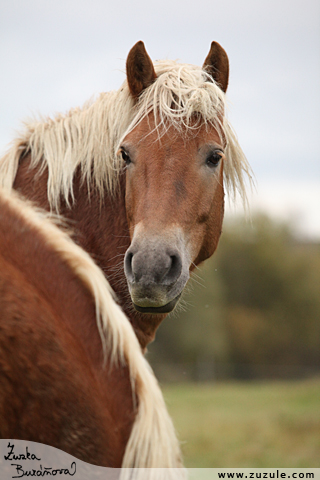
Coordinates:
174 194
174 202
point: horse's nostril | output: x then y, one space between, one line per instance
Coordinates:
128 266
175 268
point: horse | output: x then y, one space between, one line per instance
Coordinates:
141 173
72 371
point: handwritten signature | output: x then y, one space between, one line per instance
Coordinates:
41 472
34 472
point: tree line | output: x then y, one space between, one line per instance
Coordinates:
251 311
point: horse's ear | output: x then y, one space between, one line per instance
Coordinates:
140 71
217 64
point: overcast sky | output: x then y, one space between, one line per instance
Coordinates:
57 54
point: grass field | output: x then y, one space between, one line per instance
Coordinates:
267 424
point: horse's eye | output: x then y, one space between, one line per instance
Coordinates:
125 157
213 159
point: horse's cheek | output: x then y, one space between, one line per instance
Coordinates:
213 228
129 202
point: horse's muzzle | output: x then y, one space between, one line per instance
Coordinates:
157 270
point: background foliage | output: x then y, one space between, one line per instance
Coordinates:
252 311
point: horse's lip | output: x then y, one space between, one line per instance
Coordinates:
163 309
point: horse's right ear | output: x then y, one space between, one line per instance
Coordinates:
217 64
140 71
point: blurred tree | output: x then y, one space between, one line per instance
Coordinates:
256 302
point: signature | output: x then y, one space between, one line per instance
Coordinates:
39 471
21 456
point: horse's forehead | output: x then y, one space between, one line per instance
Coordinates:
147 135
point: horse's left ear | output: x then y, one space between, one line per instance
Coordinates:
140 71
217 64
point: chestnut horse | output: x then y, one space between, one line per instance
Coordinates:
141 174
72 372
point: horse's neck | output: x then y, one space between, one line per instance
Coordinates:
101 229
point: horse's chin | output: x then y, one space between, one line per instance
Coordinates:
158 310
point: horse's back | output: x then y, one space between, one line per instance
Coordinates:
49 390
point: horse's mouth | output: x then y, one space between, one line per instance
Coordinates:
158 310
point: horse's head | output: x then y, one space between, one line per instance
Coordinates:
174 181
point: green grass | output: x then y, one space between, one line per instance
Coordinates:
269 424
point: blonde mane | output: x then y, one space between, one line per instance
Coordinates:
153 442
90 137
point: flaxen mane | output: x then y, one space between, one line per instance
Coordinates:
152 443
90 137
